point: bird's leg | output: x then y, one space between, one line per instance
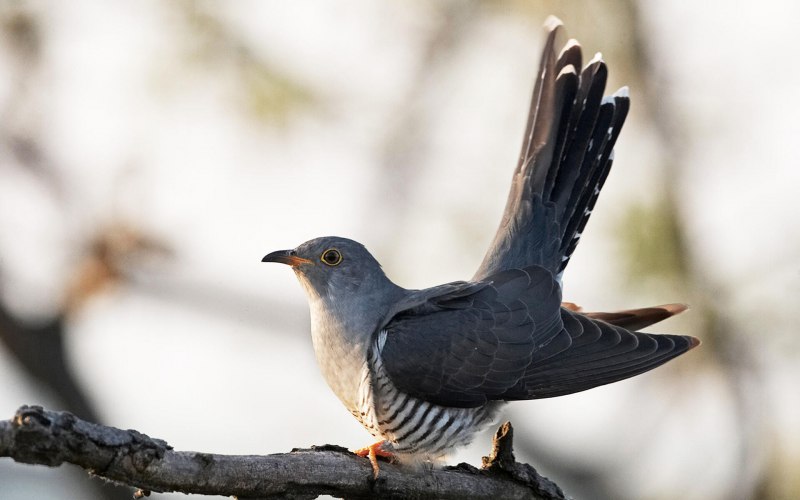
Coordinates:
374 451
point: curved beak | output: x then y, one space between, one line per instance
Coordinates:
288 257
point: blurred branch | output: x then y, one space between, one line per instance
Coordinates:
43 437
40 347
22 40
40 350
105 261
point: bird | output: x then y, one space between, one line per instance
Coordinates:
424 370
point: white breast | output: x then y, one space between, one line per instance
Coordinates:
341 357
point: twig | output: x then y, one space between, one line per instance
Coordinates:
44 437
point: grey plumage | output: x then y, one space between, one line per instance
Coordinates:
423 370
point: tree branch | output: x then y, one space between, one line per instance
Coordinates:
43 437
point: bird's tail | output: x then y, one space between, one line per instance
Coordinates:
632 319
565 158
568 160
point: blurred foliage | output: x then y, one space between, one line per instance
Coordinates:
650 241
265 92
20 30
780 479
270 96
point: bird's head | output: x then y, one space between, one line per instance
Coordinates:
332 268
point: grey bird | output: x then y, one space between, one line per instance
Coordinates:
424 370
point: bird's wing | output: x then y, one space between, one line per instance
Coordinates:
566 156
508 338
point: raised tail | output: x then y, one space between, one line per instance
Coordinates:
565 159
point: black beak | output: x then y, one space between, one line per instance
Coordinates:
288 257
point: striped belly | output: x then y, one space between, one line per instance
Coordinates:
413 426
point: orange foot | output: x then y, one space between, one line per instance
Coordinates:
374 451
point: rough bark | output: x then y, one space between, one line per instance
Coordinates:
43 437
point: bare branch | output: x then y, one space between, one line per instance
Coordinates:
43 437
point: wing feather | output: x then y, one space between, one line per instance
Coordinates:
465 350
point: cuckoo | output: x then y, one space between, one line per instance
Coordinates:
424 370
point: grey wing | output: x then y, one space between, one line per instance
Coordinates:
509 339
566 156
599 353
465 350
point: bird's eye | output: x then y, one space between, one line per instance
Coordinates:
331 257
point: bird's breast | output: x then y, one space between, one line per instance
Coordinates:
341 351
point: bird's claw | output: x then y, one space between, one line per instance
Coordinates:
372 452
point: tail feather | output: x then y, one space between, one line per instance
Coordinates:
602 162
581 189
636 319
581 128
564 161
542 108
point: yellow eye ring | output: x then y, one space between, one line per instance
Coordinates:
331 257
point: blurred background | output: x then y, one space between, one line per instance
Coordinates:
152 152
